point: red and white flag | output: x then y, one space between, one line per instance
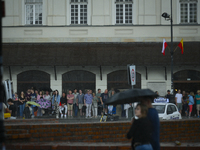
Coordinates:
164 47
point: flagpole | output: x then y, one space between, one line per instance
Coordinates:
176 48
172 53
168 48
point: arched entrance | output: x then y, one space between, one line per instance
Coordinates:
32 78
119 80
187 80
79 79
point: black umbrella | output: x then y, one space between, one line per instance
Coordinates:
130 96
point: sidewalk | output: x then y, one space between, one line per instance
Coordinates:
44 120
94 146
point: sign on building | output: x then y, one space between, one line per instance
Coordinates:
131 71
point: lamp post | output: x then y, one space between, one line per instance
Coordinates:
172 53
168 17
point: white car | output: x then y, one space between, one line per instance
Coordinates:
167 111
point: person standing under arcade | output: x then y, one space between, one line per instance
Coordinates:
104 97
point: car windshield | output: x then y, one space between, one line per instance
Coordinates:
160 108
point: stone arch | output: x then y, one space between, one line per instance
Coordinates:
119 80
187 75
187 80
80 79
32 78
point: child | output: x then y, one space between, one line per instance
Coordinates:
27 111
140 130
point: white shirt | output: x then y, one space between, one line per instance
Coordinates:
126 106
47 97
179 97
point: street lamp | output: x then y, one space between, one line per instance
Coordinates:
169 17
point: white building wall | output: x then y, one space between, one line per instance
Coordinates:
100 12
99 34
101 23
148 26
156 77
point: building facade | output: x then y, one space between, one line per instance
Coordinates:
87 44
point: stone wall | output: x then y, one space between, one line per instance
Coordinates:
170 131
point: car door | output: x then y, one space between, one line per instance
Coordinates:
176 114
169 112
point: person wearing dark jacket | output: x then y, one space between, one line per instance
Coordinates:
63 101
169 97
12 107
140 130
152 115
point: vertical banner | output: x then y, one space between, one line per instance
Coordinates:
132 72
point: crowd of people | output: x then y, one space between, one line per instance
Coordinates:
67 105
188 102
86 104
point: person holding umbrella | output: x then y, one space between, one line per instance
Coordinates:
140 130
152 115
146 97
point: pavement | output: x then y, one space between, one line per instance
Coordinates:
110 144
52 119
96 146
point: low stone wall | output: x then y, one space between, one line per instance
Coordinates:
170 131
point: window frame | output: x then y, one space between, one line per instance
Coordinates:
188 2
33 4
124 20
79 4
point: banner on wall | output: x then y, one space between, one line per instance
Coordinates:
131 71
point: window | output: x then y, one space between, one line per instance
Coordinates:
79 11
169 110
160 108
188 11
124 11
33 10
173 108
